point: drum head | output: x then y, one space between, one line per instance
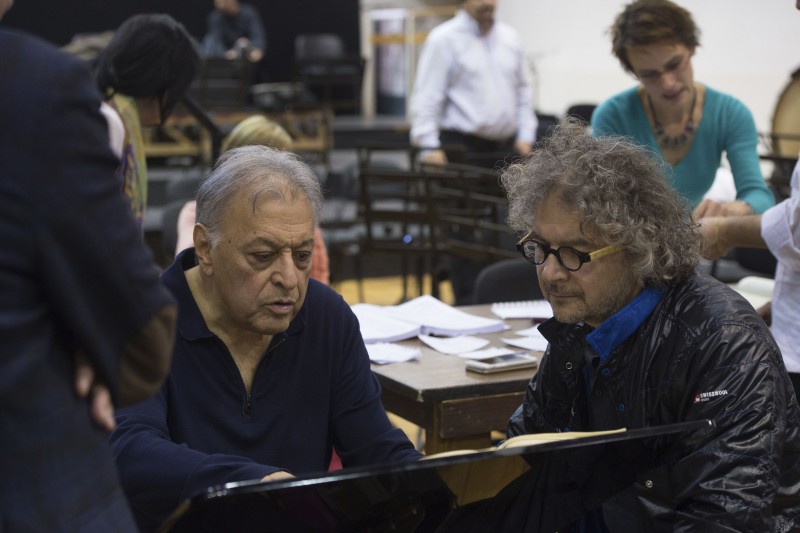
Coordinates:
786 120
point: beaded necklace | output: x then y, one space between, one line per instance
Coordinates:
669 141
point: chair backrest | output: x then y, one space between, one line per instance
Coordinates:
757 260
324 67
434 214
318 46
582 112
223 83
546 124
509 280
470 209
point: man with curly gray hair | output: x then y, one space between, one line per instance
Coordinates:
640 339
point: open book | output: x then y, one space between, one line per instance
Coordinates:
541 438
425 315
530 439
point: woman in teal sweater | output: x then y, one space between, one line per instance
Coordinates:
688 124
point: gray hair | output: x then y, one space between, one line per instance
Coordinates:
258 170
619 189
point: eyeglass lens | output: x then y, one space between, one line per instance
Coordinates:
568 257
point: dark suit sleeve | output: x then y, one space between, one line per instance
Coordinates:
98 274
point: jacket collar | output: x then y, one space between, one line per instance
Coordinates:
624 322
610 333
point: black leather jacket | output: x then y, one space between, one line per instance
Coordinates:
703 352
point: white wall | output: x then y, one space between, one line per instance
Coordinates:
749 48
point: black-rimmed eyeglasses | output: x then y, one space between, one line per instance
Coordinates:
571 259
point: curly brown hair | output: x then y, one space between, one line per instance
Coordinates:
647 22
620 190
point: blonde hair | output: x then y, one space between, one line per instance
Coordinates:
258 130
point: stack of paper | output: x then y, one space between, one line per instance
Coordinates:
534 309
379 326
425 315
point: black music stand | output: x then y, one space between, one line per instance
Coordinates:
565 480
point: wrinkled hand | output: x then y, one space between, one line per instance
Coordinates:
713 208
712 246
102 409
277 476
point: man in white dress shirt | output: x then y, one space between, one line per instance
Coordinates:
472 103
778 229
472 88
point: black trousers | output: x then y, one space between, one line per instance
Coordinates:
473 150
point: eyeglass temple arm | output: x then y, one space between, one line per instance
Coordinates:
608 250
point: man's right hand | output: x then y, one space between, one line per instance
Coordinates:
277 476
434 157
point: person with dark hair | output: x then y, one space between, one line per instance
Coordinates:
85 324
689 124
639 339
270 373
234 30
143 73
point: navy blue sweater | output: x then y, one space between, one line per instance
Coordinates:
313 390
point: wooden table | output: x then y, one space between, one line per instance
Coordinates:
458 409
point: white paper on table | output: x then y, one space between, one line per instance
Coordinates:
454 345
377 326
487 353
439 318
535 344
535 309
386 352
530 332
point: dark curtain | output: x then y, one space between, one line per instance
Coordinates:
58 21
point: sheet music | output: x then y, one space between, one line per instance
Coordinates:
424 315
377 326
